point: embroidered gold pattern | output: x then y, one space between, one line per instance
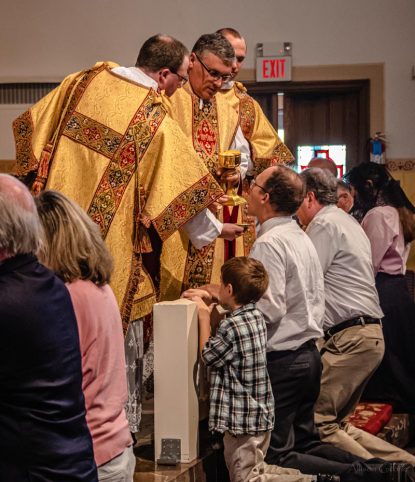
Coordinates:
23 130
123 165
246 114
190 202
280 155
92 134
206 133
249 235
199 265
134 280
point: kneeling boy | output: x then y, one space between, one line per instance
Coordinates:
241 401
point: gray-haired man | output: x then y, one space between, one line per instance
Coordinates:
43 431
354 342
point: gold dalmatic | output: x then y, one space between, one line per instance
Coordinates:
212 126
108 144
267 149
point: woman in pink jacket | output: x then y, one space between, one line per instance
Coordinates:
387 217
74 249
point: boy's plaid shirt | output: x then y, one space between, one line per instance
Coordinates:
241 398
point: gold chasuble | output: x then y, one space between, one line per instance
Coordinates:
108 144
211 125
267 149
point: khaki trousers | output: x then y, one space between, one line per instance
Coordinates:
244 457
119 469
349 359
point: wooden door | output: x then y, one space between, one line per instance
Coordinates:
320 113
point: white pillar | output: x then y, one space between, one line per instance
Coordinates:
175 366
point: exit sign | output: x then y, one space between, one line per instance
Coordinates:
273 69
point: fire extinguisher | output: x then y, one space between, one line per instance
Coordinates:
377 148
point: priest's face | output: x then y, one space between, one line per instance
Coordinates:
239 45
170 81
207 73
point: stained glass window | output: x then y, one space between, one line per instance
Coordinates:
335 152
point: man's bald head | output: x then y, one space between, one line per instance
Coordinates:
285 189
16 190
324 163
19 222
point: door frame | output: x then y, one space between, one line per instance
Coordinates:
361 87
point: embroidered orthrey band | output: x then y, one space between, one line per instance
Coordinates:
124 163
23 126
190 202
134 280
199 265
280 155
92 134
206 133
246 114
23 130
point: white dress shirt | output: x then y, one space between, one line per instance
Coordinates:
293 305
346 259
204 228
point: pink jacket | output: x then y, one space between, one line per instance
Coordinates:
103 368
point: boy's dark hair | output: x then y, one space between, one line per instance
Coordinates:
248 277
161 51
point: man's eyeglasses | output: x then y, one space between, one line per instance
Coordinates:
253 183
214 73
183 80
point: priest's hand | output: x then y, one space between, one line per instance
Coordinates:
230 177
216 206
231 231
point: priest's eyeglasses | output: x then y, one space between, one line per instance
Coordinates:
183 80
214 73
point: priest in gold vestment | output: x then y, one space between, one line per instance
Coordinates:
267 149
212 124
105 140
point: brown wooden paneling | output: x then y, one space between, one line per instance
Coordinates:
335 112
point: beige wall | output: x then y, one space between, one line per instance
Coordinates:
46 39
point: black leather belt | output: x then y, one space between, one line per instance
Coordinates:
276 354
359 320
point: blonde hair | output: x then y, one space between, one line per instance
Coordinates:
72 243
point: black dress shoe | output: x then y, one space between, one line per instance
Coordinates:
327 478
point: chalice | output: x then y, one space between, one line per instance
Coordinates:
229 161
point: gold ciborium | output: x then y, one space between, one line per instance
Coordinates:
229 161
